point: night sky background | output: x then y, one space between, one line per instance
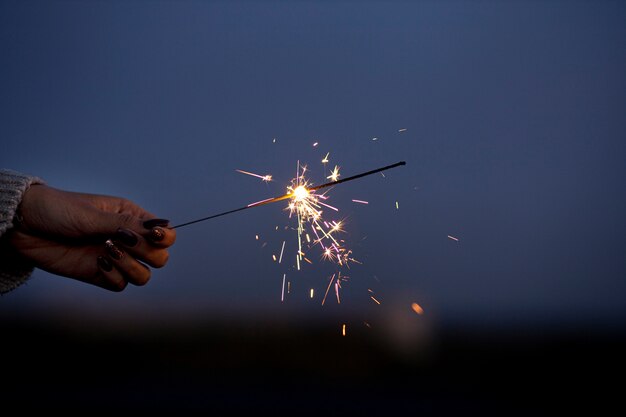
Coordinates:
515 143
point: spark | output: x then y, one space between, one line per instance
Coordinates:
328 288
374 138
257 237
280 258
417 308
325 160
307 206
315 144
288 287
402 130
274 258
360 201
274 140
456 239
266 178
334 174
375 300
312 292
282 294
397 207
343 330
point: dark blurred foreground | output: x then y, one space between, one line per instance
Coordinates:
298 368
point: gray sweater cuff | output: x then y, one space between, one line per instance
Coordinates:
13 185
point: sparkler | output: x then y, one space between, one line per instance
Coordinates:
301 194
307 203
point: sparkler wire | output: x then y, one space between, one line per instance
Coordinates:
289 195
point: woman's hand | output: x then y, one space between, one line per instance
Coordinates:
101 240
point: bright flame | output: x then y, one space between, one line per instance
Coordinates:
300 193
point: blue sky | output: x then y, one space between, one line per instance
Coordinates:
514 144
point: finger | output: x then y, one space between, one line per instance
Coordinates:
132 270
159 234
162 237
140 248
109 277
77 262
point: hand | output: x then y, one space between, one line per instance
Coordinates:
101 240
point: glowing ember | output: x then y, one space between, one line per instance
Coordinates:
300 193
417 308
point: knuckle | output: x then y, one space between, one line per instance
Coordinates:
126 219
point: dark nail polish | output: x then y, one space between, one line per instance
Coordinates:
113 251
149 224
126 237
105 264
157 234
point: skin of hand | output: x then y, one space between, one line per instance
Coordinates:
102 240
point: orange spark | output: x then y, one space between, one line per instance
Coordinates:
417 308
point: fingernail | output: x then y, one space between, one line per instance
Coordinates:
157 234
126 237
105 264
113 251
149 224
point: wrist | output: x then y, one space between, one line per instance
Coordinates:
13 188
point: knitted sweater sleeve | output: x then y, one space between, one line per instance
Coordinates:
13 185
